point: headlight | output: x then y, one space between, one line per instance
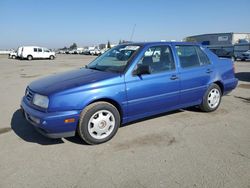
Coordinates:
41 101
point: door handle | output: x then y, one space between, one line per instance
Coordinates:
209 71
173 77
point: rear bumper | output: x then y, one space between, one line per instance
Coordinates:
51 124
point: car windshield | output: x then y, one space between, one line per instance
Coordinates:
115 59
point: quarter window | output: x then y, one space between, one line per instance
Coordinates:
158 58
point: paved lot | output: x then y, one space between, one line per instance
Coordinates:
185 148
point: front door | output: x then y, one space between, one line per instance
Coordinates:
149 94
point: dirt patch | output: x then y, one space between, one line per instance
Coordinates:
245 86
241 154
5 130
244 99
25 65
147 140
29 76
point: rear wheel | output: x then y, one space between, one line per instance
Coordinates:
98 123
29 57
212 98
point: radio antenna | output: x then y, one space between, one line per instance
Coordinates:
132 34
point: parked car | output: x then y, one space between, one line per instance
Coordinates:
245 55
94 101
94 52
35 52
239 49
13 55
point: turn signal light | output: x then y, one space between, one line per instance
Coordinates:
71 120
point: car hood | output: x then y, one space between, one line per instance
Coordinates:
60 82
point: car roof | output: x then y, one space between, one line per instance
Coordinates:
161 43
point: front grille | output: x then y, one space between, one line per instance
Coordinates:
29 94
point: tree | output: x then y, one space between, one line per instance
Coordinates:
65 48
108 45
73 46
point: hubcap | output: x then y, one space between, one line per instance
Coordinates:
213 99
101 124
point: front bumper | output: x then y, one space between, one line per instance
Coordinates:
51 124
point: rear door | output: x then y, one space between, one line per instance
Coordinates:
155 92
195 73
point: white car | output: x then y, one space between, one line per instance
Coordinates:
36 52
13 55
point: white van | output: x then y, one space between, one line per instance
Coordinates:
19 51
36 52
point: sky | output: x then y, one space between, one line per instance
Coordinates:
59 23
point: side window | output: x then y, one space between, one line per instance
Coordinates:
45 50
202 57
35 49
187 56
158 58
39 49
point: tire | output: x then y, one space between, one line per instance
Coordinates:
29 57
94 125
211 99
51 57
13 57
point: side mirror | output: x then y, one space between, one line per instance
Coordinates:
142 69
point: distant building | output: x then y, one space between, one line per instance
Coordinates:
230 45
220 38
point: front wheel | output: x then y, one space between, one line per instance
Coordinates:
52 57
98 123
29 57
212 98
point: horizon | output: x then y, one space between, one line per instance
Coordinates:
56 24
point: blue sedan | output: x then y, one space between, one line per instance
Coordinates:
126 83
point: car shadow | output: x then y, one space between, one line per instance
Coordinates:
27 132
243 76
152 117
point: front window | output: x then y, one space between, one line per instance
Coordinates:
158 58
114 60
